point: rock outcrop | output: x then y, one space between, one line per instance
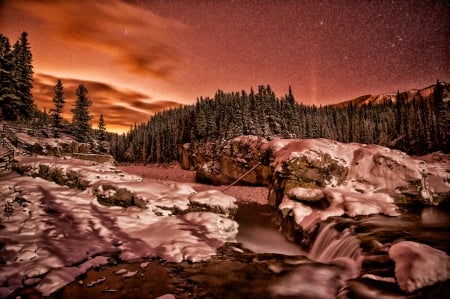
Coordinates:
236 158
418 265
310 180
284 164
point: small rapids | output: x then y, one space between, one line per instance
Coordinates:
350 255
331 244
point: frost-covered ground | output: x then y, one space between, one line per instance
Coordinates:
51 233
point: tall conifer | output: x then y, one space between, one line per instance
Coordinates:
81 117
23 77
59 101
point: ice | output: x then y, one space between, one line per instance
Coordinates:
418 265
300 193
369 167
129 274
342 201
57 228
214 199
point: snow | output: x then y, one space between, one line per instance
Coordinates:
418 265
369 167
214 198
55 231
300 193
90 171
342 202
311 149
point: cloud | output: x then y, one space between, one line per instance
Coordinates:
120 108
134 37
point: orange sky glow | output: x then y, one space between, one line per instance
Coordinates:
140 57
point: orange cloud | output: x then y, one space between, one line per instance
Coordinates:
134 37
120 108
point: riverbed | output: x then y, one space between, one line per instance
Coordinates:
348 258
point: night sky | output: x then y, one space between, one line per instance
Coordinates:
138 57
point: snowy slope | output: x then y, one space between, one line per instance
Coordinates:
54 233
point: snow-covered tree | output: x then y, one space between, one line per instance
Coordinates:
59 101
8 99
101 135
81 117
23 77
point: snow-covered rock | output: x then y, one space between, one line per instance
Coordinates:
418 265
47 218
284 164
319 163
215 200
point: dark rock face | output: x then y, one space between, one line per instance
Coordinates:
237 157
324 176
284 164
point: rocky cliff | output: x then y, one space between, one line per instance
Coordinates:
310 180
284 164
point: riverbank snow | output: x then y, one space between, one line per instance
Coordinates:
51 234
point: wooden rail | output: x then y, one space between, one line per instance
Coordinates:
16 141
7 157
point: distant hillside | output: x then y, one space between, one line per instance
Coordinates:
416 122
409 95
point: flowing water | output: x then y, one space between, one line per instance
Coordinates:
347 242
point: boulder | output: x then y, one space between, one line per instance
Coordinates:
235 159
320 163
418 265
185 156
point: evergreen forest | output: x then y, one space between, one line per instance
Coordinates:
411 121
414 124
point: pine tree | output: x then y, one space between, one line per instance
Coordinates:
81 117
101 129
23 77
56 113
9 101
442 118
101 135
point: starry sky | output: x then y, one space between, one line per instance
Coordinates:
140 57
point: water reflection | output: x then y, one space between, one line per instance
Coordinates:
435 216
341 246
257 232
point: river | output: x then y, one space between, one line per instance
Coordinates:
363 240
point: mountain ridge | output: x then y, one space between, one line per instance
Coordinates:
409 95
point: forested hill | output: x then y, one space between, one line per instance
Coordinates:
416 122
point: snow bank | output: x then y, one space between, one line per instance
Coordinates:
364 167
311 149
418 265
215 200
53 231
88 170
342 202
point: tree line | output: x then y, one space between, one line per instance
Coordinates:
80 126
16 100
16 79
416 125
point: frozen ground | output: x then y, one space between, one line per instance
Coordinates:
50 234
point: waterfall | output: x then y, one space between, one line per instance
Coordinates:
331 244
